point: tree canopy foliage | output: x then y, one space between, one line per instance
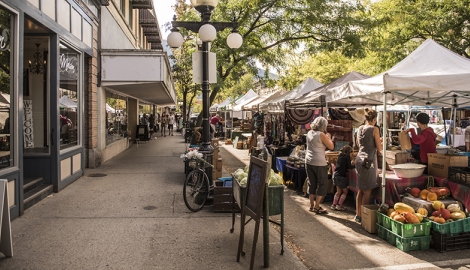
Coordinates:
326 39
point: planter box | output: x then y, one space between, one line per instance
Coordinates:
275 195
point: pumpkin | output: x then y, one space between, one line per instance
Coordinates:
415 192
411 218
431 196
440 220
436 205
444 213
424 194
399 218
402 208
457 215
423 211
453 207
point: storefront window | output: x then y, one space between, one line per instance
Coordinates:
116 117
6 59
69 67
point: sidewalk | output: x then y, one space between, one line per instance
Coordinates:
133 217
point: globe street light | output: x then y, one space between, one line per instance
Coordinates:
207 33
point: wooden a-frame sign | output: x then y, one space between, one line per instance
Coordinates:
6 243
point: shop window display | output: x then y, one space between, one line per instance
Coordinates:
6 132
69 66
116 117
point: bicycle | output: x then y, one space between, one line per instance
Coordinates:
196 187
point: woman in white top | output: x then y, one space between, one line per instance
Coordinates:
318 140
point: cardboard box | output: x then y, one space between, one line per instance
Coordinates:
369 217
215 156
438 164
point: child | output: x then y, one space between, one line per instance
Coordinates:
340 179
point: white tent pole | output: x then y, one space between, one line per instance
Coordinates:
384 146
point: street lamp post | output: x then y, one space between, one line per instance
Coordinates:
207 33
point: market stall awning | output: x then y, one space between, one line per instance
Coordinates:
66 102
217 107
144 75
248 97
253 105
431 75
277 104
315 98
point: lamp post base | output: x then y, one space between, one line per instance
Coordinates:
208 151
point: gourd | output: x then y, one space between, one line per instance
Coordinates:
390 211
437 205
457 215
419 216
411 218
442 192
424 194
431 196
402 208
453 207
444 213
399 218
415 192
423 211
393 214
440 220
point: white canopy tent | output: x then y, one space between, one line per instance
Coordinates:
431 75
66 102
216 107
277 104
110 109
253 105
237 107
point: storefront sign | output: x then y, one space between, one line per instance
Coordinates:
28 124
4 40
67 64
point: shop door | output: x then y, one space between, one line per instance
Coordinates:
38 145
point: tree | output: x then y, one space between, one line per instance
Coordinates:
270 28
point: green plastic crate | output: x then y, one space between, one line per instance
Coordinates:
384 220
381 231
466 225
404 243
413 243
451 227
411 230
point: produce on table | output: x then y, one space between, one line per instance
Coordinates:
404 213
242 176
415 192
424 194
442 192
453 207
431 196
436 205
440 220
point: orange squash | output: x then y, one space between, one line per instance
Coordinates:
399 218
390 211
431 196
440 220
411 218
393 214
424 194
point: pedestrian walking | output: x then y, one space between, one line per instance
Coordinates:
171 124
163 125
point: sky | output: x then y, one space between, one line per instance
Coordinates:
165 13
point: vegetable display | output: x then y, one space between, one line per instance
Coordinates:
242 176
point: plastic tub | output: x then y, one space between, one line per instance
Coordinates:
408 170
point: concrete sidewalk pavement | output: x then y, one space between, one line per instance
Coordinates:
129 214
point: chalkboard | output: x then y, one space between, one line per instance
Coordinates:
255 186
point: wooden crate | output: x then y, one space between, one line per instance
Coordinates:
224 200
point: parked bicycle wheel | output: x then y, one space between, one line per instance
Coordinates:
196 190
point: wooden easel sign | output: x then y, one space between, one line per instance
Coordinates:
255 187
6 243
